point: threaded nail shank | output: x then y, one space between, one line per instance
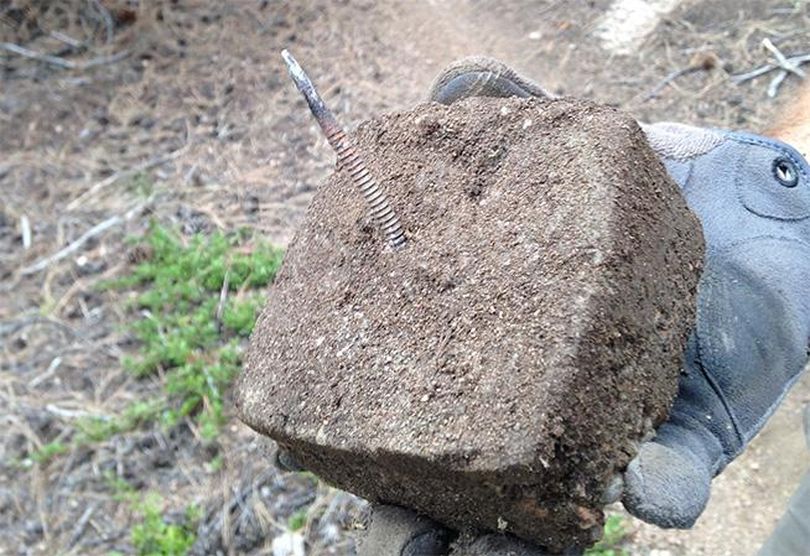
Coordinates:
347 155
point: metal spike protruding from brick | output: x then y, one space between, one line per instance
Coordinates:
347 155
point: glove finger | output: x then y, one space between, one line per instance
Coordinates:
614 490
501 545
667 484
479 76
395 531
285 461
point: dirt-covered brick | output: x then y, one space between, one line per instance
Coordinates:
500 369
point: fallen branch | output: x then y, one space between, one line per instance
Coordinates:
96 230
785 64
762 70
61 62
781 59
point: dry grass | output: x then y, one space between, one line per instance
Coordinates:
170 132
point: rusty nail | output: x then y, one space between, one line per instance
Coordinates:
347 155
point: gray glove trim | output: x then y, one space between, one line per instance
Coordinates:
483 77
681 142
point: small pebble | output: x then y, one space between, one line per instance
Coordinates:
288 544
330 534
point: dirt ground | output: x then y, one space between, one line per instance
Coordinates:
186 115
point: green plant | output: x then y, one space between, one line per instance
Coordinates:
142 184
48 451
298 520
196 300
97 429
215 464
615 533
122 491
153 536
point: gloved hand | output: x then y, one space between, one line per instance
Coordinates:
751 338
396 531
750 341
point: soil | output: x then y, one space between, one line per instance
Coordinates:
550 272
199 127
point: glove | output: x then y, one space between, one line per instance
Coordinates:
750 341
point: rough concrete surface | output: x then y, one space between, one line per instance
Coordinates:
497 371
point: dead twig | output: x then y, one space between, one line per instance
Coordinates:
61 62
702 61
776 82
67 413
783 61
223 296
105 16
73 247
36 381
47 58
98 229
78 531
80 285
767 68
784 64
68 40
25 230
142 167
217 524
71 414
13 326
